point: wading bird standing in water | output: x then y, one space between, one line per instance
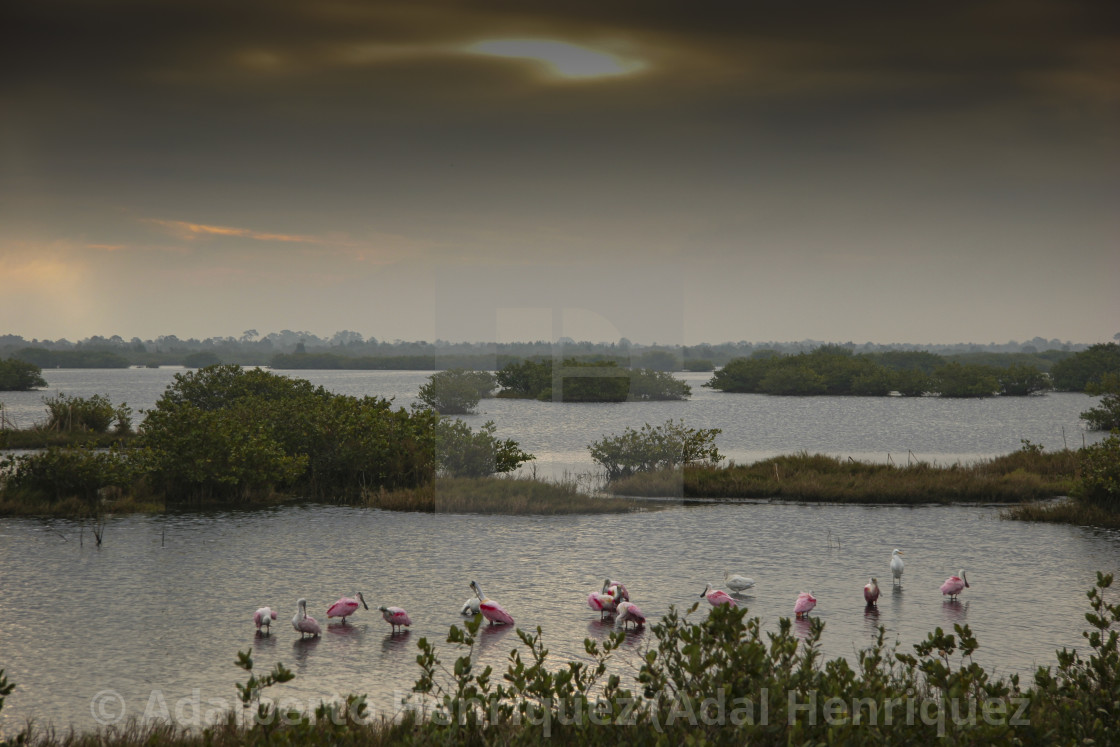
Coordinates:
263 618
954 585
717 597
805 604
628 612
737 583
304 624
396 617
897 566
871 591
603 601
346 606
490 609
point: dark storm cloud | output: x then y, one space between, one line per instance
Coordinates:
799 131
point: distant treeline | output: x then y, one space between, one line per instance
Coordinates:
348 349
836 370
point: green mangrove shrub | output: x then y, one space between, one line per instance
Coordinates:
461 452
228 433
457 391
653 448
95 414
56 474
1106 415
1100 473
20 376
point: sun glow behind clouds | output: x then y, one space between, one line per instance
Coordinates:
562 59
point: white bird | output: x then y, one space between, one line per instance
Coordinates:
737 583
303 623
896 566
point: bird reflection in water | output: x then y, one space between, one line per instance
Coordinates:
263 642
600 629
395 641
802 627
302 648
345 630
489 635
954 610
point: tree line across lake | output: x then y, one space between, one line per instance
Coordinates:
825 370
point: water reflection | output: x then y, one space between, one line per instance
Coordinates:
802 627
302 648
396 642
954 611
491 635
344 630
681 545
600 629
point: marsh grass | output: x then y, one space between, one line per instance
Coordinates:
1064 511
505 495
44 437
1027 475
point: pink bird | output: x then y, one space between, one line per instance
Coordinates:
618 591
263 618
346 606
717 597
805 604
871 591
396 617
954 585
304 624
628 612
490 609
604 602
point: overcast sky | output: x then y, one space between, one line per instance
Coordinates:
675 173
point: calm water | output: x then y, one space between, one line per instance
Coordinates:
152 621
160 611
753 427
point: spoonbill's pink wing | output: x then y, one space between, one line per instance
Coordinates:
952 586
494 612
343 607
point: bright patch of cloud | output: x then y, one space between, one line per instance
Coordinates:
562 59
189 230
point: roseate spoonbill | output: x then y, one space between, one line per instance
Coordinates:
490 609
628 612
805 604
396 617
617 590
737 583
470 607
263 618
897 566
717 597
954 585
303 623
604 602
346 606
871 591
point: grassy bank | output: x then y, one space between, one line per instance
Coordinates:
505 495
487 495
1027 475
1064 511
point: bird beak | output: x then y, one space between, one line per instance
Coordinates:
363 600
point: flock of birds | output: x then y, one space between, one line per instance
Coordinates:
612 600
